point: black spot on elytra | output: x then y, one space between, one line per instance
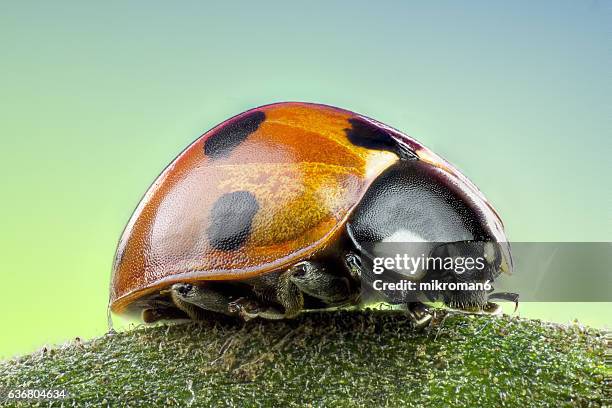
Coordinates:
231 135
366 134
230 220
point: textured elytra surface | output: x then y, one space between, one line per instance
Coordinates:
371 358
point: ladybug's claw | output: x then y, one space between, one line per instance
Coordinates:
244 307
249 309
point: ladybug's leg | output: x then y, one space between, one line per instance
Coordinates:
313 279
281 289
353 265
249 309
196 300
288 288
288 294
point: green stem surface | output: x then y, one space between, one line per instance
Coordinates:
365 359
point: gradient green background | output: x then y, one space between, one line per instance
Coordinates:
97 99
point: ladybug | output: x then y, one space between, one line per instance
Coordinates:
267 214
